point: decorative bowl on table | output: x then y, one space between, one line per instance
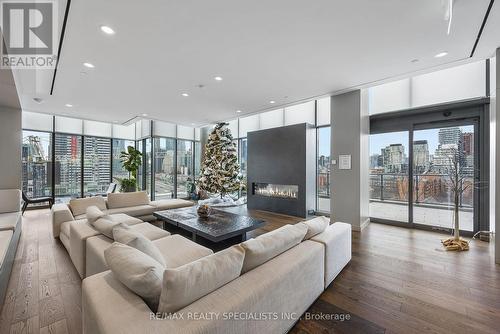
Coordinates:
204 211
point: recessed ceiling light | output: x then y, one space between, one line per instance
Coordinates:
238 110
272 102
441 54
192 124
69 105
144 115
218 78
185 94
115 121
88 65
38 99
107 30
414 60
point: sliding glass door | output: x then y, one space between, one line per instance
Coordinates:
441 154
441 159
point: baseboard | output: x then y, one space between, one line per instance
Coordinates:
365 224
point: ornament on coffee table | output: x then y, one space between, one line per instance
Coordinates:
204 211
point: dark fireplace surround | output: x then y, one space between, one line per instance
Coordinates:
281 169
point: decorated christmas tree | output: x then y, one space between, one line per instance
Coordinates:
220 172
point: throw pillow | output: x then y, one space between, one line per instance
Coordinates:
137 271
315 226
131 238
105 225
93 213
188 283
271 244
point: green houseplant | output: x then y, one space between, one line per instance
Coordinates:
131 162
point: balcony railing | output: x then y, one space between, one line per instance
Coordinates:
432 189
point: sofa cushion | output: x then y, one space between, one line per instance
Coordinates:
9 221
177 250
93 213
94 259
150 231
122 200
266 246
315 226
188 283
136 211
124 218
137 271
132 238
10 200
105 226
5 237
65 227
79 205
174 203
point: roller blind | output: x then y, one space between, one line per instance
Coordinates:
37 121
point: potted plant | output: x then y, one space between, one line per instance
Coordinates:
131 162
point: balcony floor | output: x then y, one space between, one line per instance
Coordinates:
425 215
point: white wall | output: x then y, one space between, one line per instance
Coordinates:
10 147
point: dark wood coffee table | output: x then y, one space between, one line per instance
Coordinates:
219 226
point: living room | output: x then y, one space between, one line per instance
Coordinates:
248 168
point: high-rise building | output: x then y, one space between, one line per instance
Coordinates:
421 160
443 158
375 160
394 158
451 135
468 143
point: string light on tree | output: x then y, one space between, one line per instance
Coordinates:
220 171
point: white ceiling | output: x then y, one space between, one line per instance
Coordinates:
282 50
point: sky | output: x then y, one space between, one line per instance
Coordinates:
324 141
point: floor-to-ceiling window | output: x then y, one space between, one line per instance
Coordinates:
389 176
413 173
243 164
164 162
140 172
185 176
119 146
68 167
197 159
323 172
147 163
37 163
96 165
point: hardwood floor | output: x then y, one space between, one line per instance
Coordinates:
399 281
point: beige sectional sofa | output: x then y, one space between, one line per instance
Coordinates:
135 204
85 244
266 299
10 231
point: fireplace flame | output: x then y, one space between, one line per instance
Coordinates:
274 190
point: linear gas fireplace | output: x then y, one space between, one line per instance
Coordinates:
281 169
276 190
